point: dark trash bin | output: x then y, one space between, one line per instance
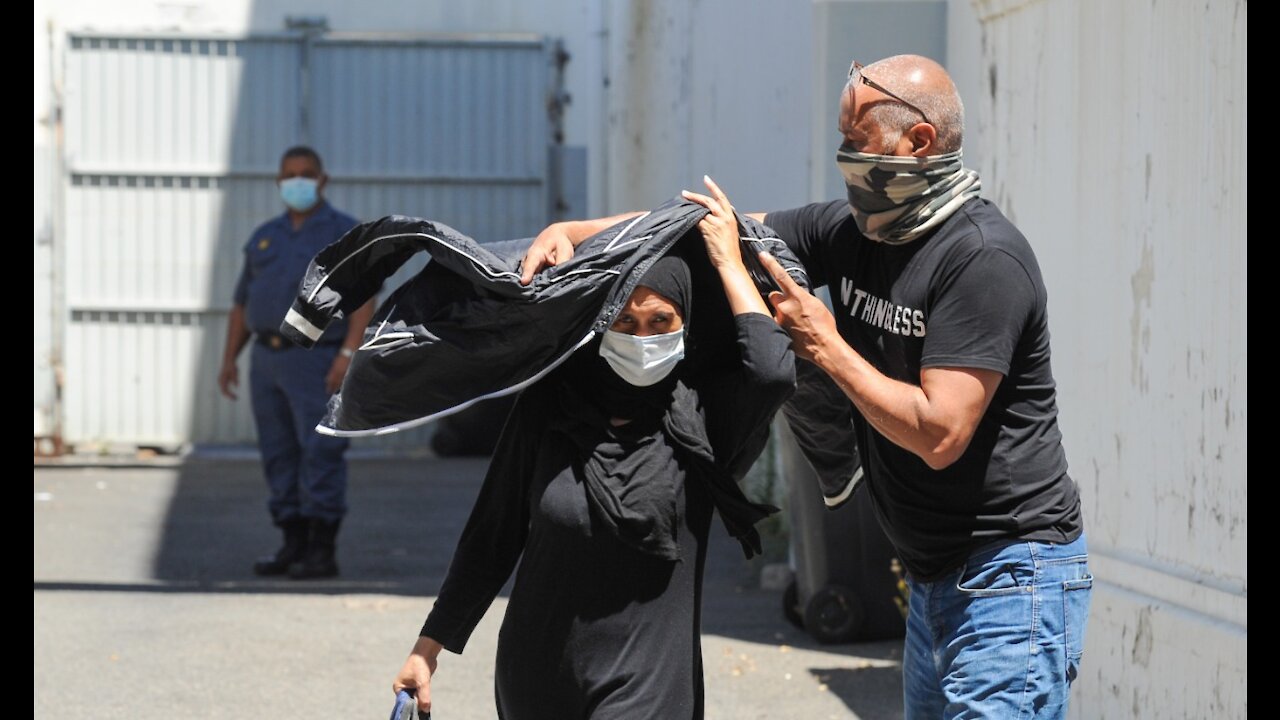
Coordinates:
845 587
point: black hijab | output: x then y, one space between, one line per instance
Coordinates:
670 278
631 472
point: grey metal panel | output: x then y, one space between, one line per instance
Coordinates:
134 377
148 387
166 242
486 212
439 110
470 41
172 146
139 104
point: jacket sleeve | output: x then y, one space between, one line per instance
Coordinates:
494 537
344 275
740 405
823 422
821 418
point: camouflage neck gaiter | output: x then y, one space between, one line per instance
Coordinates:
897 199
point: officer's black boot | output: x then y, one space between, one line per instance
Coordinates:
294 549
319 561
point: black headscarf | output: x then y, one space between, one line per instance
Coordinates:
631 471
670 278
615 397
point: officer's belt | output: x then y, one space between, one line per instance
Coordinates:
276 341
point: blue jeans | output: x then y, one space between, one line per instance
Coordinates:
1001 637
306 471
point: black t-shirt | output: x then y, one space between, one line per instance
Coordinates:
969 295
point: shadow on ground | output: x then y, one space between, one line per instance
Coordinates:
209 522
404 520
172 536
862 688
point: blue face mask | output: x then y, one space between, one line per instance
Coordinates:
300 193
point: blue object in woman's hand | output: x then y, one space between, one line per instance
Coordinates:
406 705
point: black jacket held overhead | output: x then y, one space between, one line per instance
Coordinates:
465 329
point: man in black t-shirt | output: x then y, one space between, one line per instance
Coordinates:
940 340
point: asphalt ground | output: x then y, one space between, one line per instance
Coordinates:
146 608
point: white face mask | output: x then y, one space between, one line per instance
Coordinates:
642 361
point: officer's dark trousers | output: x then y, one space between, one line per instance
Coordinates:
305 470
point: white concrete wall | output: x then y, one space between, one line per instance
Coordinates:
1113 134
715 87
863 30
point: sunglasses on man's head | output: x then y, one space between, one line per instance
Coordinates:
856 69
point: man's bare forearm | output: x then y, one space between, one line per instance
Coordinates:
579 230
356 325
934 420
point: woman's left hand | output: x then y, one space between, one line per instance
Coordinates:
417 671
719 228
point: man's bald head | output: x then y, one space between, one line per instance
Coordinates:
925 84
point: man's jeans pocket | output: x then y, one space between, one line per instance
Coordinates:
1076 594
1009 571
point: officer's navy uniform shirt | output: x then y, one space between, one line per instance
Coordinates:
276 258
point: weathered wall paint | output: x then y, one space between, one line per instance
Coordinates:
1113 134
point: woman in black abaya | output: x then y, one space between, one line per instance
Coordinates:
602 486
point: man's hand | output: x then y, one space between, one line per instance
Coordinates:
550 248
237 336
804 316
229 379
417 671
337 371
719 228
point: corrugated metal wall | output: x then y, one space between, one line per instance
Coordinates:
172 145
451 130
1114 134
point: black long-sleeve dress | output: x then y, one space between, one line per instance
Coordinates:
597 627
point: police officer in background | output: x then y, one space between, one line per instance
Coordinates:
289 386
